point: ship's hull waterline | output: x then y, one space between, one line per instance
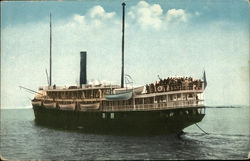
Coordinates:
151 122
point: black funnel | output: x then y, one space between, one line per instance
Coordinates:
83 67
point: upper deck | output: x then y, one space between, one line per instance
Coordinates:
169 86
165 94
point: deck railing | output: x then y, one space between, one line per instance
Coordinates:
169 88
155 106
77 87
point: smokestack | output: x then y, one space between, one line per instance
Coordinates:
83 67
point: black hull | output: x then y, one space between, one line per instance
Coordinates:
154 122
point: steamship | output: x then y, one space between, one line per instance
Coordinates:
165 106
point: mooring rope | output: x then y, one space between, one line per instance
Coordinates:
201 128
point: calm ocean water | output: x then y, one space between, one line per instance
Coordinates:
227 127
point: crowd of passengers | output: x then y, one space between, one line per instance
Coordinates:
174 84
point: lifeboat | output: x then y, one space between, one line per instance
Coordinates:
87 107
137 90
120 96
51 105
69 107
36 103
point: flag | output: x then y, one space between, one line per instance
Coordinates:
204 79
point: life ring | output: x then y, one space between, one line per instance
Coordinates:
160 89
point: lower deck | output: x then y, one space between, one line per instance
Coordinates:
153 122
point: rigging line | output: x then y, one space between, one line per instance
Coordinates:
29 98
47 76
29 90
200 128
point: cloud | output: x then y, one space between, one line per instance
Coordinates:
96 17
99 12
178 15
146 15
78 18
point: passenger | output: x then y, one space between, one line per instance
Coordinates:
175 83
147 89
151 88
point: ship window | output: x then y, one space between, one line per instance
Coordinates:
112 115
190 95
103 115
136 101
178 95
130 101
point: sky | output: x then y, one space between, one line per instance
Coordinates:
165 38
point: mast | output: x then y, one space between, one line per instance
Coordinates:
123 19
50 60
